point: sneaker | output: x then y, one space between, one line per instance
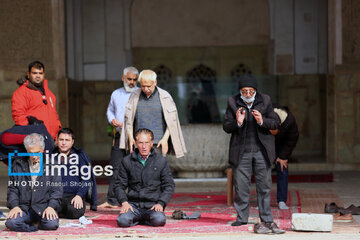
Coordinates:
283 206
331 208
2 216
274 228
262 228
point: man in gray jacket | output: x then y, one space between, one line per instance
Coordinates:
249 117
32 195
153 108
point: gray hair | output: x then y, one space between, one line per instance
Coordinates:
149 75
131 69
34 140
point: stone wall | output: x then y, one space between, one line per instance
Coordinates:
222 59
346 115
31 31
343 93
173 23
88 116
350 31
305 95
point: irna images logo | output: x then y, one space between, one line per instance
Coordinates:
61 164
15 154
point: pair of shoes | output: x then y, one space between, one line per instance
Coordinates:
352 209
262 228
178 214
283 206
193 216
236 223
267 228
274 228
340 217
331 208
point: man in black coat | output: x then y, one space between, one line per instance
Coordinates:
249 117
32 195
147 176
286 138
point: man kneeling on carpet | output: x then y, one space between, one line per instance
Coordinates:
147 176
32 196
76 173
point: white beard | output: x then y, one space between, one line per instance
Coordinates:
127 88
248 100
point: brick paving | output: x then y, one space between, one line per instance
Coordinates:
314 200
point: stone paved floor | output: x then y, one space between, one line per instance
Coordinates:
344 191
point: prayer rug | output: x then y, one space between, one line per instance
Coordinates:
216 217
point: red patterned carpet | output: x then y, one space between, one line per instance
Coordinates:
216 217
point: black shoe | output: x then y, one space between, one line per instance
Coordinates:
236 223
331 208
274 228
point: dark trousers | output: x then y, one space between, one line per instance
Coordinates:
141 215
252 161
68 210
22 224
282 183
117 155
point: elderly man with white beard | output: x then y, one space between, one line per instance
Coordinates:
115 115
248 118
33 202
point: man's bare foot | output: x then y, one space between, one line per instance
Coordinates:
106 205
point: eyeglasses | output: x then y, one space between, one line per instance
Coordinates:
251 92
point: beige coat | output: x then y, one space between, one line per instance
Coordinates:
176 144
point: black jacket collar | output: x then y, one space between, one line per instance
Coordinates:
135 153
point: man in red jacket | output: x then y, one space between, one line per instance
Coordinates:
34 98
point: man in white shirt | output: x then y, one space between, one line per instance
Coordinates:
115 116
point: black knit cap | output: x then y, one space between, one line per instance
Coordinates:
247 81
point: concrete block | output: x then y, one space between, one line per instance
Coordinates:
312 222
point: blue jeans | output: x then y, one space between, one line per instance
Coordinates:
68 210
282 183
22 224
141 215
